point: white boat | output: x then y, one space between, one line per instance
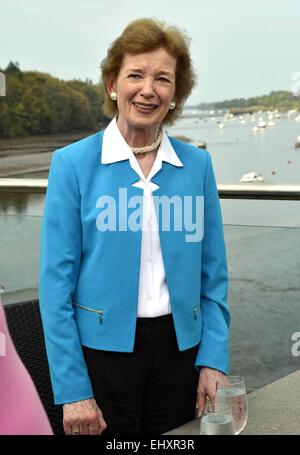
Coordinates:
297 143
261 124
252 177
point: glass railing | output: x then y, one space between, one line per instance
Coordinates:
19 257
263 244
264 299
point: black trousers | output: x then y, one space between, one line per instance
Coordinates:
149 391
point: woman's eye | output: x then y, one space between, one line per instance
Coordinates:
163 79
134 76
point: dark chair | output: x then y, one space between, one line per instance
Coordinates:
25 327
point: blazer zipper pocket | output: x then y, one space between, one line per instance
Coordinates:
100 312
196 310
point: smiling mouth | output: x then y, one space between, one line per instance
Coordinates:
145 107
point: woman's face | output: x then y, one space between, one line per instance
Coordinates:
145 88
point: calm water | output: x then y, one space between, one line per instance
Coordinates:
262 238
236 150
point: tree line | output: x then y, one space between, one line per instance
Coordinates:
282 100
38 103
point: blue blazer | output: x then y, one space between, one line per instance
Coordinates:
89 278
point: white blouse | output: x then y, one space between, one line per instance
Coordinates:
154 297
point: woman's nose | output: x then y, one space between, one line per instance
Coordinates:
147 89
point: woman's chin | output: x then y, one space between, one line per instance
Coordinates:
147 119
143 121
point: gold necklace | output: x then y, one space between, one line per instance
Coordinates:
149 148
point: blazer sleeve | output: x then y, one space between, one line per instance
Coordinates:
60 253
213 350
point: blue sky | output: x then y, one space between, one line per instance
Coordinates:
240 48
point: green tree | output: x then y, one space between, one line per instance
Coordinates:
37 103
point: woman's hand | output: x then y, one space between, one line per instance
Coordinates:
207 386
83 417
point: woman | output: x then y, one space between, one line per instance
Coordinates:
134 306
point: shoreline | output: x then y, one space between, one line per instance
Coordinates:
32 154
11 166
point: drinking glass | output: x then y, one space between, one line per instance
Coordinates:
231 391
216 420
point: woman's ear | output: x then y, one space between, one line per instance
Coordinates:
111 84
